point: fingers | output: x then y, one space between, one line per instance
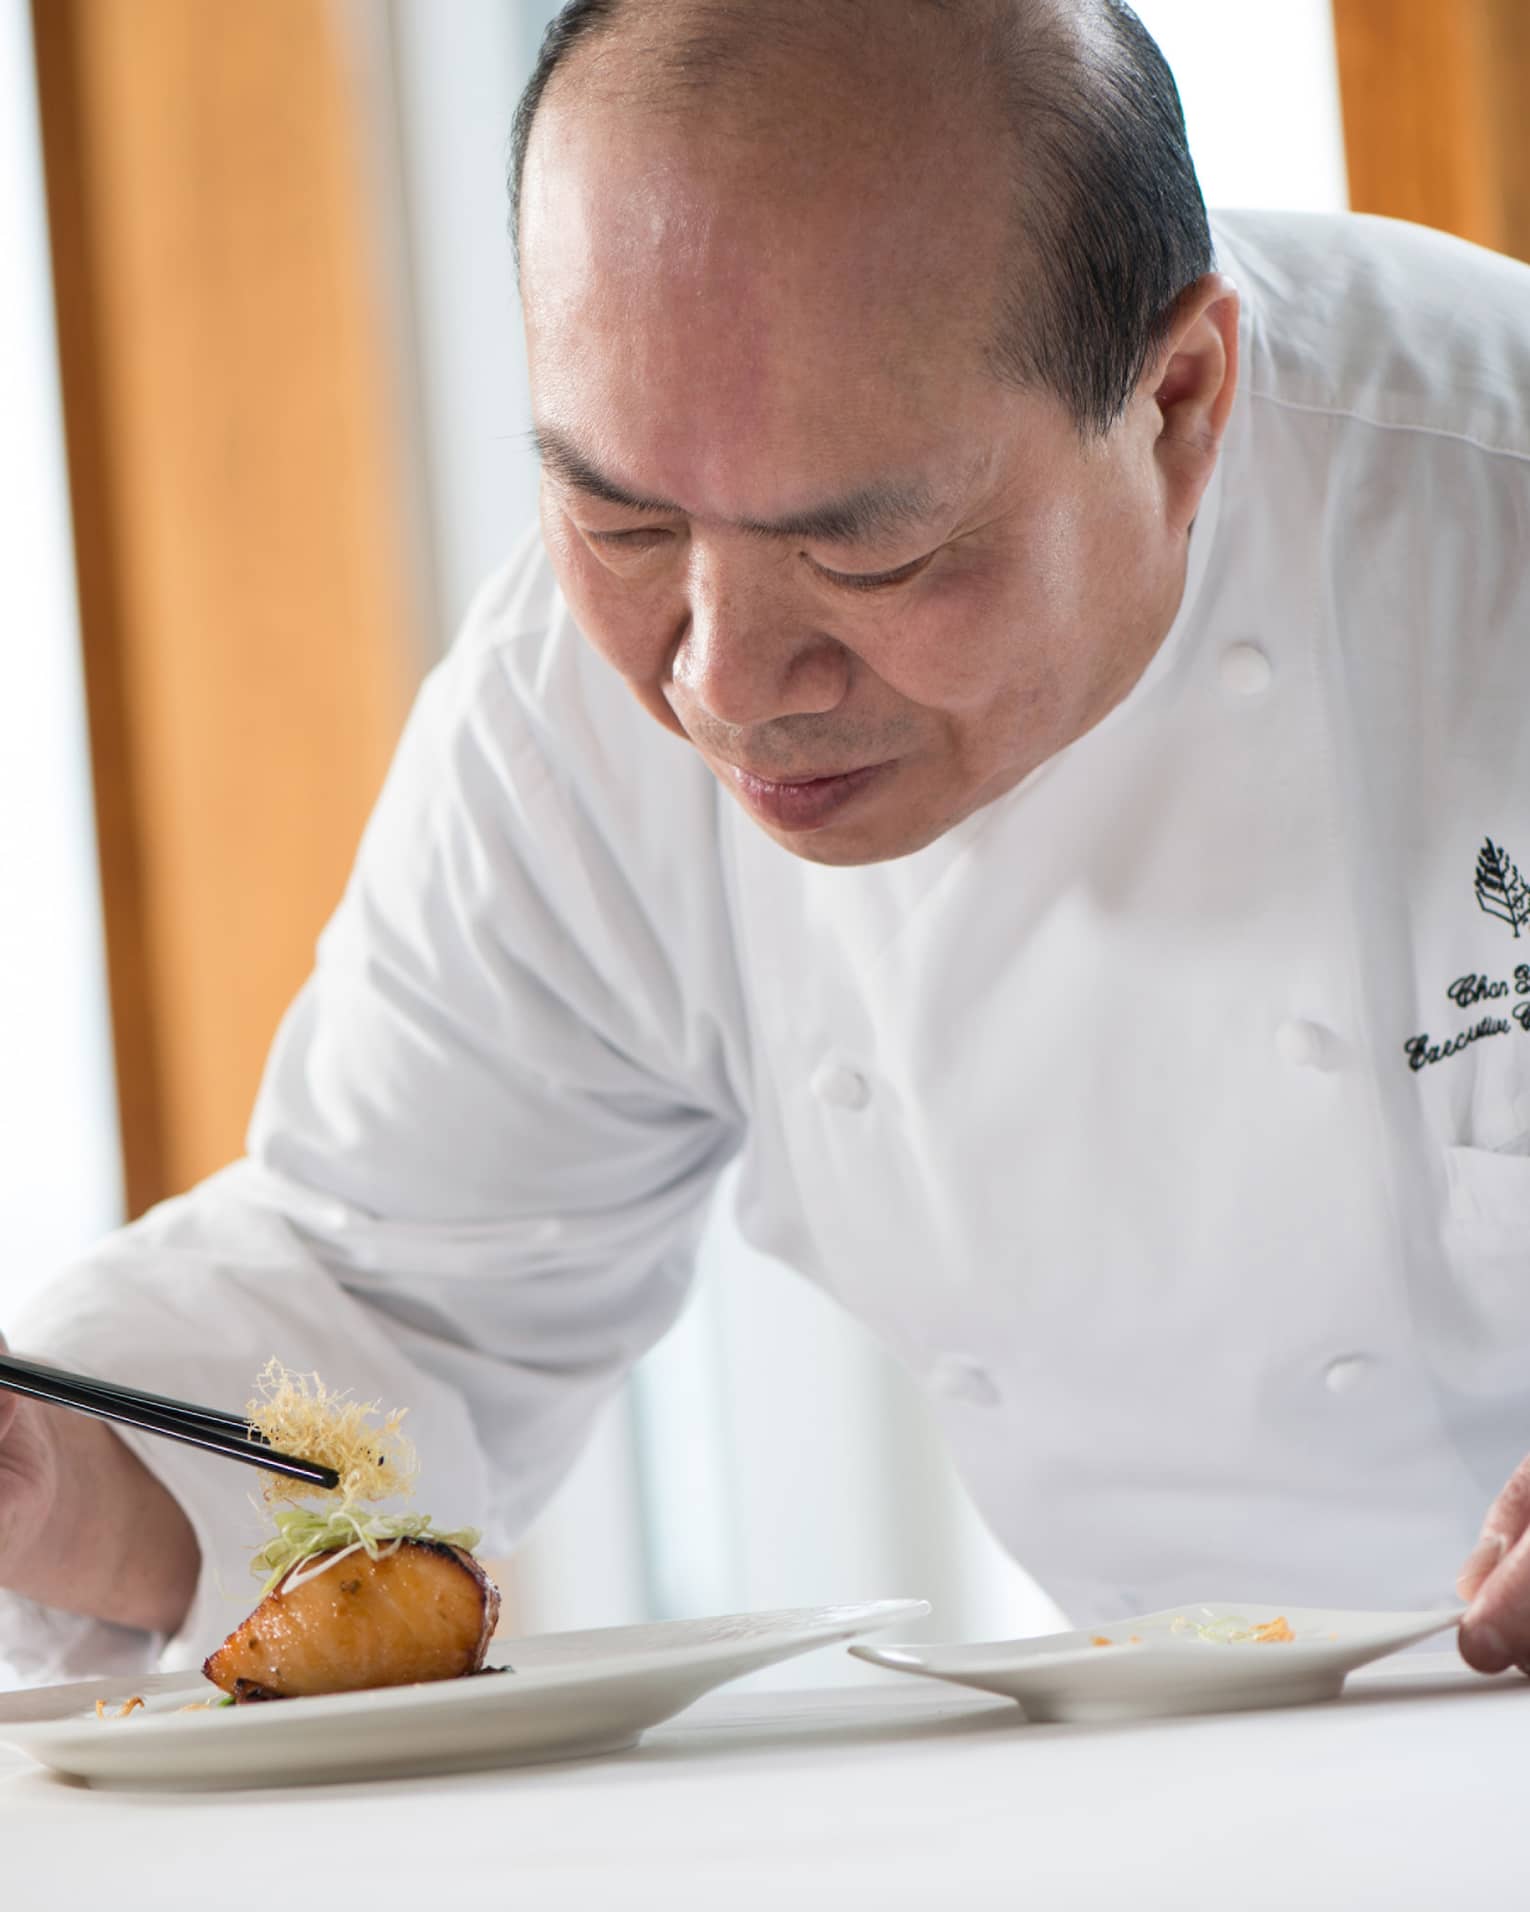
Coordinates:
1495 1634
7 1399
1507 1519
1480 1564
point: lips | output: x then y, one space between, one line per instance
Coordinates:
803 803
797 779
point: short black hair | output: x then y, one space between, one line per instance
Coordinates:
1110 224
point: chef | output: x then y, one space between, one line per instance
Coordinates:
1014 727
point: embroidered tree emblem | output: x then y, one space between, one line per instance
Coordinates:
1501 890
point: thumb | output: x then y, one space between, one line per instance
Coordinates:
8 1401
1484 1557
1507 1519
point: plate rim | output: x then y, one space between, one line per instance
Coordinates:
24 1733
1024 1655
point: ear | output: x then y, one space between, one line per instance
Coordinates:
1190 386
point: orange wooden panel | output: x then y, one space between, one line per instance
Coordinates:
1434 113
235 476
1510 80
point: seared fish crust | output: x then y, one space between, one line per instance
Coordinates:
423 1610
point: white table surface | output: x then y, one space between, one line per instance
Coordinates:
1410 1792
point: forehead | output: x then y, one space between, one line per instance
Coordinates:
686 300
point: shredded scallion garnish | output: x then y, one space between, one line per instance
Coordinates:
1232 1630
303 1532
297 1414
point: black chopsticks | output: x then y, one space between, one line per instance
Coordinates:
218 1433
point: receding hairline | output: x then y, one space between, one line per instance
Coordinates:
760 167
742 61
686 48
1106 225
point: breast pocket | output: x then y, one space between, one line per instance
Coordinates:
1487 1241
1490 1188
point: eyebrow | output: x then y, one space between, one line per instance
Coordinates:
880 509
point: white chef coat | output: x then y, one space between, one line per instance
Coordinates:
1150 1115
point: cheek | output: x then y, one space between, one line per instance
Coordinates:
971 644
1026 621
626 626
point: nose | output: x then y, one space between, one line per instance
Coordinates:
749 653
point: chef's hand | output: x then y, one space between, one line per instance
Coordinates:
27 1479
1495 1634
83 1523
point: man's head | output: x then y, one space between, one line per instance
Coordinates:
878 370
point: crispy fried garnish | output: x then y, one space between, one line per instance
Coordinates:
297 1414
1273 1632
127 1706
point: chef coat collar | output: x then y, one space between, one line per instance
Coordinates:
1203 534
1198 560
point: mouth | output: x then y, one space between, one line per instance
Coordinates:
803 803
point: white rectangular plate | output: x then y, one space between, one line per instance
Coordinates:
570 1694
1167 1667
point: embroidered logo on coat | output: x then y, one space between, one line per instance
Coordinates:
1504 893
1501 890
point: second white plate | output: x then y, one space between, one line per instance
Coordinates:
571 1694
1176 1661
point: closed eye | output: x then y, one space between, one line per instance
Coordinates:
874 580
641 540
647 538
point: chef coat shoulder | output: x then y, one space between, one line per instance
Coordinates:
542 875
574 732
639 802
1384 323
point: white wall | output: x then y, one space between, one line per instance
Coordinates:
450 80
1260 86
60 1173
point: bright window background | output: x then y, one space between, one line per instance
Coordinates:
1259 81
60 1175
768 1453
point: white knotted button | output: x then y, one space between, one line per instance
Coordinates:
1306 1045
1346 1372
839 1085
1245 670
959 1378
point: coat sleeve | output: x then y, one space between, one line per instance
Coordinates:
478 1162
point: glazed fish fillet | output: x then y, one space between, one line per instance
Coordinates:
423 1610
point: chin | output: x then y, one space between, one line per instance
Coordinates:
900 813
850 845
